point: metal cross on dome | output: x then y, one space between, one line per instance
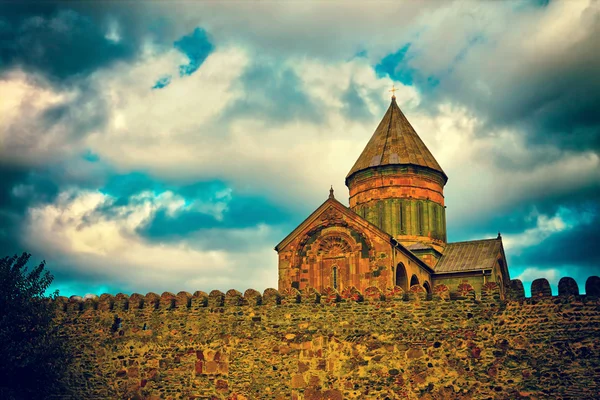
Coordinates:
393 90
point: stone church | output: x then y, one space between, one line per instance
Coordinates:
393 235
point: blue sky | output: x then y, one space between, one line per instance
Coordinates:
154 148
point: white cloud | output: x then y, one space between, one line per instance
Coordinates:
528 275
110 246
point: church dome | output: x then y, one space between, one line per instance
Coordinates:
397 184
395 142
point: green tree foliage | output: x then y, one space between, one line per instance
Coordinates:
32 355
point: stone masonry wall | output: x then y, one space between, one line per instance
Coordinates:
310 345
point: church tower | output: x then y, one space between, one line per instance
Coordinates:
397 185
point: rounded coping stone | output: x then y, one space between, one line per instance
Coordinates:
490 287
183 299
167 300
310 295
234 298
271 296
540 287
200 298
464 288
330 295
253 297
216 298
152 300
395 292
61 303
417 289
373 293
122 301
516 290
352 293
290 296
90 296
90 303
417 292
106 301
568 287
136 300
441 291
592 286
75 303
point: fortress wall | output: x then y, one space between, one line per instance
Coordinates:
311 345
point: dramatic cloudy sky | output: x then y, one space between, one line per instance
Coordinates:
159 148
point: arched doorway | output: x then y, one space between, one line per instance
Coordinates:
414 280
427 287
401 277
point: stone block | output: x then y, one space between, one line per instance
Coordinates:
568 287
540 288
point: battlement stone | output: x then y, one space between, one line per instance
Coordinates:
592 286
540 288
568 287
216 298
273 297
515 290
490 292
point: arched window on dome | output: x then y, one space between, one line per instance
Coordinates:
420 218
401 217
434 221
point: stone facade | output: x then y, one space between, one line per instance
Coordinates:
336 248
350 345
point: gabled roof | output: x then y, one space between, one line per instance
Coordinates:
395 142
473 255
332 202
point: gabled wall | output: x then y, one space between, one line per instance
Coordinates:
335 247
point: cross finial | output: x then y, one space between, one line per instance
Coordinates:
331 192
393 90
499 236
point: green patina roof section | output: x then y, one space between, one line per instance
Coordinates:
469 256
395 142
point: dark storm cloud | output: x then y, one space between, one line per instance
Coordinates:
552 95
578 245
240 212
20 188
57 41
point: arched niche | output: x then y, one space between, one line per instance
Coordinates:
401 278
414 280
427 287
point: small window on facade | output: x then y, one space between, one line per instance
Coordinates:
335 278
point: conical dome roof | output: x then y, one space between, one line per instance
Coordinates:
395 142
